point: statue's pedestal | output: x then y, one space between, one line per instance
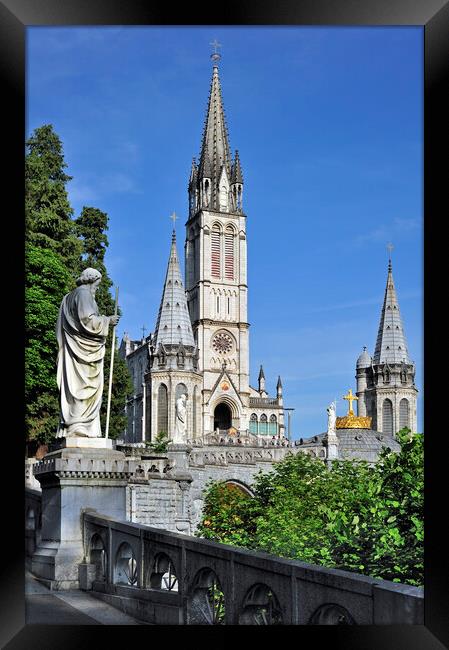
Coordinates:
75 476
81 442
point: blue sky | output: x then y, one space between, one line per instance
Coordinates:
329 127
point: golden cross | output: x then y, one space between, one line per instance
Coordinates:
350 398
173 217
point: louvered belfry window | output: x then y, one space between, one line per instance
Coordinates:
216 256
229 254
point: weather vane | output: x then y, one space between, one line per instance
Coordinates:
216 56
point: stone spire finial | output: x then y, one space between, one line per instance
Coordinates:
261 380
279 387
390 248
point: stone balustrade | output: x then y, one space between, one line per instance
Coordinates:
169 578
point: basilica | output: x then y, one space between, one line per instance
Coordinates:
199 348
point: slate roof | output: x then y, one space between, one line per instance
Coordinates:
173 322
391 345
215 151
357 443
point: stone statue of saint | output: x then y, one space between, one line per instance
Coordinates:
81 333
331 418
180 419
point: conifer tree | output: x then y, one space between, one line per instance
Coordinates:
48 213
51 255
58 248
91 227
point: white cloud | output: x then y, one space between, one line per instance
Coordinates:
387 231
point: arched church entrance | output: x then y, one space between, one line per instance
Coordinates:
222 417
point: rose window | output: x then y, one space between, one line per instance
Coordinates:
222 343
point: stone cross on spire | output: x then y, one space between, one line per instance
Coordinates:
216 56
390 248
350 398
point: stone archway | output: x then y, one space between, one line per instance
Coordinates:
222 417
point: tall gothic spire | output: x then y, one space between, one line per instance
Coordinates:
391 345
215 150
173 322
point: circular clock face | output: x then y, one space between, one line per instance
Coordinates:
222 343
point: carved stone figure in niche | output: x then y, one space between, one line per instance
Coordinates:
180 419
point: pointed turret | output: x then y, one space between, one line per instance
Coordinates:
193 188
215 158
279 387
261 380
391 346
173 325
236 173
237 183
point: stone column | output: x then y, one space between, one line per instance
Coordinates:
78 474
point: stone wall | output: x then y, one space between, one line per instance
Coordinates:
156 492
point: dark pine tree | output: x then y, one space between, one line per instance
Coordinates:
51 257
91 227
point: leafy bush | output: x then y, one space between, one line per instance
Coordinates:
352 516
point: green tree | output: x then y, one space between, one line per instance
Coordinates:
47 280
57 249
48 213
52 251
229 515
352 516
91 227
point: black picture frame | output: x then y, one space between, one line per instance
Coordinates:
433 15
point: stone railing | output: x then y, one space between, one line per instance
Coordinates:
33 524
216 455
169 578
263 401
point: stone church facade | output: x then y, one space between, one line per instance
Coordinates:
200 344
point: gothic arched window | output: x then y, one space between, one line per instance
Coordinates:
162 409
263 424
387 417
404 413
273 428
253 424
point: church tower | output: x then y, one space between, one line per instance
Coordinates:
173 359
386 382
216 278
